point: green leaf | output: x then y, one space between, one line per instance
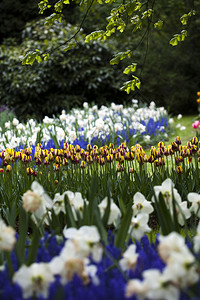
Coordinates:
163 214
21 242
38 58
131 85
147 13
121 234
158 25
66 2
184 19
69 212
131 7
34 245
96 35
174 41
120 56
131 68
46 56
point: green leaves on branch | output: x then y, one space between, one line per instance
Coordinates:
131 68
178 38
31 56
147 13
131 85
131 7
158 25
120 56
43 5
185 17
181 37
52 18
96 35
115 21
58 7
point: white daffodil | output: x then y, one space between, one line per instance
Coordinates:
129 259
172 243
136 287
68 263
36 201
115 212
34 280
141 205
7 237
182 212
196 240
194 198
86 240
58 203
158 286
77 202
168 191
139 226
181 269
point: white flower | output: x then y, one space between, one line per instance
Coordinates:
171 243
129 259
182 212
182 128
77 202
99 124
179 117
194 198
37 200
63 117
48 120
136 287
181 270
58 203
158 287
115 212
147 138
196 240
86 240
171 121
60 133
31 201
15 122
167 190
72 136
34 280
139 226
7 237
70 263
85 105
7 125
141 205
20 126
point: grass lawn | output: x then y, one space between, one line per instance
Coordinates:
186 134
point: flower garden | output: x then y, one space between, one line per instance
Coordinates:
95 204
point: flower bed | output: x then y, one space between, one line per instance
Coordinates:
113 124
99 222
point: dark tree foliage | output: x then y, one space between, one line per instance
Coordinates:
14 16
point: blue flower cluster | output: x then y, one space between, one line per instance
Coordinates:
112 281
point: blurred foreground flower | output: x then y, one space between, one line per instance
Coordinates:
36 201
34 280
7 237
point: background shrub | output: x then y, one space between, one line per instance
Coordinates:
65 80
